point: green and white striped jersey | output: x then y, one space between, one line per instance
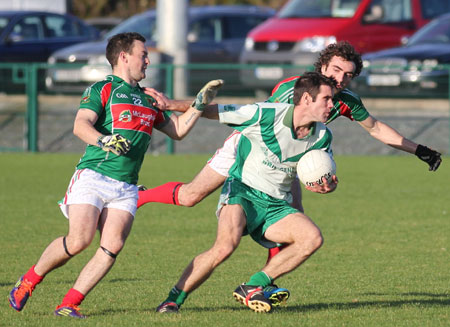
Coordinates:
269 150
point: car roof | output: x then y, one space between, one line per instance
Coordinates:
12 13
233 9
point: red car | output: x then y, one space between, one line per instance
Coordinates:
302 28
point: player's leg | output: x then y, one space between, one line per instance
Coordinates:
302 238
229 231
279 295
210 178
115 226
82 226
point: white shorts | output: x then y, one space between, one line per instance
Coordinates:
225 157
90 187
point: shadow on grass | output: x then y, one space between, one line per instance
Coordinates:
303 308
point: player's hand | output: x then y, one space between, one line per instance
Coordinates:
207 94
326 187
115 143
161 101
431 157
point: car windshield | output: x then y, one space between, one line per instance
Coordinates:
319 8
142 24
438 31
3 22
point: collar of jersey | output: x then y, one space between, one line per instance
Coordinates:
288 121
117 79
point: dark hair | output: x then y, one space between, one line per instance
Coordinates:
341 49
121 42
310 82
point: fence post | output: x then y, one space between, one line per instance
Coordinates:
170 143
32 106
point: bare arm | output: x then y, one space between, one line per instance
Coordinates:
391 137
386 134
164 103
179 126
83 126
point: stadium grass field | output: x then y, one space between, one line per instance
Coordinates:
385 260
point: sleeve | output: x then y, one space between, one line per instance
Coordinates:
283 91
352 107
162 118
239 116
92 100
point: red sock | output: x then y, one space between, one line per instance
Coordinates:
166 193
32 277
274 251
72 297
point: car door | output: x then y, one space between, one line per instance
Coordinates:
63 31
204 40
24 42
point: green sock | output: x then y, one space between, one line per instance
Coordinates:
176 295
260 279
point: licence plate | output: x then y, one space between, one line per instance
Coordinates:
269 73
67 75
383 80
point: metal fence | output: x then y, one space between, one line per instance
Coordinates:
34 119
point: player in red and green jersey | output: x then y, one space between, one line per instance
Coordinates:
339 61
116 120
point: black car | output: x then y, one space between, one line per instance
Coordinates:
216 34
31 36
418 69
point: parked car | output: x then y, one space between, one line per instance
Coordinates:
31 36
302 28
104 24
420 68
216 34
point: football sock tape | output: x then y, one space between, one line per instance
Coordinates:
112 255
65 247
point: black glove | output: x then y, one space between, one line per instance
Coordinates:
431 157
115 143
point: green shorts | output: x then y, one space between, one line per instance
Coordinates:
261 210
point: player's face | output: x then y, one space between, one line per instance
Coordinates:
138 61
341 70
323 104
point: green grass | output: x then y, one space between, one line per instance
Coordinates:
385 260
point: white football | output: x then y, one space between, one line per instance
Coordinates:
314 165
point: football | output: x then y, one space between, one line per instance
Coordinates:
314 165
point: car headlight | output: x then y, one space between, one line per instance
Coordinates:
98 60
249 43
316 43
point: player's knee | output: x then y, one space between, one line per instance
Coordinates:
113 247
189 198
313 242
73 246
222 253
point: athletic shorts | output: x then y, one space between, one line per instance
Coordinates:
89 187
224 157
261 210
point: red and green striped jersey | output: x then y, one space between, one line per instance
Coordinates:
128 111
346 103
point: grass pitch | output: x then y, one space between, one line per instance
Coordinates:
385 260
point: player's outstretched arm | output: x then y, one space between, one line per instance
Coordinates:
389 136
179 126
164 103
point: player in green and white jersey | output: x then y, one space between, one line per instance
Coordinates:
339 61
255 197
116 120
